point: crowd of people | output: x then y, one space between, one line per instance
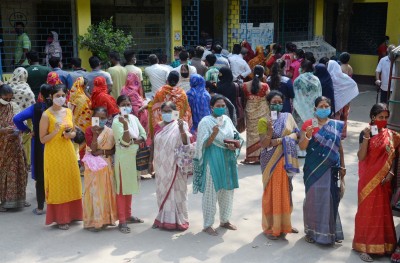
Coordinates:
59 124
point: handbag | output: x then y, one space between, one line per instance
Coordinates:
142 157
236 143
241 121
184 156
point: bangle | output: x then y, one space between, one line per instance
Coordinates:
126 130
366 138
308 139
343 168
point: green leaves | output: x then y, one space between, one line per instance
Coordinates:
103 37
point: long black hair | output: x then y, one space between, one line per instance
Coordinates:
276 74
258 75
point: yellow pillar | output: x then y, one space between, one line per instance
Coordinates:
319 18
233 23
176 25
83 21
393 22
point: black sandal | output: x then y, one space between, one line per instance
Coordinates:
123 228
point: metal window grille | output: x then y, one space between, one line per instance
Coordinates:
40 17
190 22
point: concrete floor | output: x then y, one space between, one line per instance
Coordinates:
25 238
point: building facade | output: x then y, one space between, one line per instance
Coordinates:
159 25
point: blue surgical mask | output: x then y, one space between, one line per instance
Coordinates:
323 113
276 107
167 117
219 111
125 110
102 123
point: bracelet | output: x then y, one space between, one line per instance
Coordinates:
308 139
343 168
126 130
366 138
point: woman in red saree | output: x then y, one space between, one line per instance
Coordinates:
374 227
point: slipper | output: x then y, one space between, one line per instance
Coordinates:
271 237
134 220
211 231
365 257
63 227
27 204
37 212
123 228
309 240
228 225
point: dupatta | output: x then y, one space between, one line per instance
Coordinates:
23 95
199 100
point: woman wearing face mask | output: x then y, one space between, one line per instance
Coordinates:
53 47
13 166
184 81
374 227
101 97
171 183
255 92
99 198
61 171
296 64
34 113
215 167
324 167
278 139
128 134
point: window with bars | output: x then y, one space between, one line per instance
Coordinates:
39 17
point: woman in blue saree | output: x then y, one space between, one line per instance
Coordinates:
323 169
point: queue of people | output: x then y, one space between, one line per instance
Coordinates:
189 124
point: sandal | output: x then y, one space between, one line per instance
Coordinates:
27 204
365 257
339 241
38 212
294 230
211 231
123 228
309 240
228 225
63 227
134 220
271 237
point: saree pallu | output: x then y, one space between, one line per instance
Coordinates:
276 163
13 165
256 108
99 197
321 216
171 183
374 227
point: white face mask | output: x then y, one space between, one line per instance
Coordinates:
125 110
60 101
4 102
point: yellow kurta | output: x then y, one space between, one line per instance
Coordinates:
61 171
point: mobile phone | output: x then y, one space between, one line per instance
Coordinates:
220 121
95 121
274 115
175 115
374 130
315 123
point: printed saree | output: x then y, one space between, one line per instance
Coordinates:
321 216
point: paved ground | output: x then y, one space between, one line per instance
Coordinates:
25 238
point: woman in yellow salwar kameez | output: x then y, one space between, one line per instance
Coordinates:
279 162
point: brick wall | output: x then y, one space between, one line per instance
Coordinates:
233 22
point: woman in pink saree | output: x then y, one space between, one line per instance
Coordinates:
133 89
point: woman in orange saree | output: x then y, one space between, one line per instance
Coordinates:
374 227
279 162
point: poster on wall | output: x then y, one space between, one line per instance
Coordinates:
262 35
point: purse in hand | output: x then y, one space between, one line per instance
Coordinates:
236 143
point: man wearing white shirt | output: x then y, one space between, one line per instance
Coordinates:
157 75
382 73
240 68
185 71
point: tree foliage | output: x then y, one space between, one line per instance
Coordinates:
103 37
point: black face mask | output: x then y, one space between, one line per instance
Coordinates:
185 75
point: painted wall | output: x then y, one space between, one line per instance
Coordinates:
83 21
366 64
